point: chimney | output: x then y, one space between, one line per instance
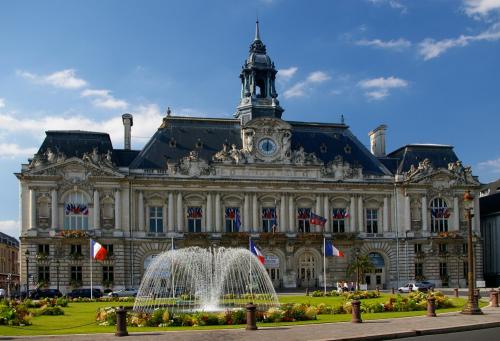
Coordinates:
377 140
128 122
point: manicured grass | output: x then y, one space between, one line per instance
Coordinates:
80 317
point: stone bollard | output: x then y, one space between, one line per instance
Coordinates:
393 291
356 311
251 317
456 292
494 298
431 307
121 322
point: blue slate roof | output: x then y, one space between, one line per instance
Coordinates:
412 154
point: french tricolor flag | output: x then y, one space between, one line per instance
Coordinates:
98 251
257 253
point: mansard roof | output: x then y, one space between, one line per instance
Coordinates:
440 156
180 135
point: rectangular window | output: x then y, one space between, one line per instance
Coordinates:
44 249
304 216
76 274
443 270
233 220
194 215
465 248
417 248
156 219
268 219
338 220
419 270
44 274
371 220
109 250
76 249
108 274
443 248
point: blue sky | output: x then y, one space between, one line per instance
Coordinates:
428 69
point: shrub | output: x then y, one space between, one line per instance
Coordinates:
317 293
373 307
62 302
238 316
137 319
323 308
310 313
16 315
273 315
347 307
156 318
47 310
106 316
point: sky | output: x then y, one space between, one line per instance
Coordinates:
428 69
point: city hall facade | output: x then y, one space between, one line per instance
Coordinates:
214 182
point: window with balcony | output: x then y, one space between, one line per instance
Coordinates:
304 219
233 220
156 219
269 219
339 216
439 215
76 212
194 217
372 220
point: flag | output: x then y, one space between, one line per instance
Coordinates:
195 212
233 213
346 214
257 253
98 251
331 250
304 213
270 214
317 219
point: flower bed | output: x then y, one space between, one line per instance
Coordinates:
353 295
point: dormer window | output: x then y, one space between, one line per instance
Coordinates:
199 144
172 143
323 149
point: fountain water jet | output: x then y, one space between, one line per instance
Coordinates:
196 279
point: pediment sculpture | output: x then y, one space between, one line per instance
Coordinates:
192 165
230 155
300 157
339 169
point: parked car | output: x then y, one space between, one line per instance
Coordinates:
409 287
44 293
124 293
2 293
96 293
425 286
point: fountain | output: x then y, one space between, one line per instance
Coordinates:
196 279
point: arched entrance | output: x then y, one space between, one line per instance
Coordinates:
272 266
377 277
307 270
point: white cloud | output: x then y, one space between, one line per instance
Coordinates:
430 48
12 150
103 99
397 45
2 103
378 88
492 166
10 227
481 7
287 74
65 79
302 88
395 4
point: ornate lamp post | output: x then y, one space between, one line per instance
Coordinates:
27 254
57 273
471 307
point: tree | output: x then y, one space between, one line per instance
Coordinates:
360 266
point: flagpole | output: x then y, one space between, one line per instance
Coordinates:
324 263
90 254
250 272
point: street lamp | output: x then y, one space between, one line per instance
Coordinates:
57 273
27 254
471 307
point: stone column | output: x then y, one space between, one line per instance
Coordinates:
318 211
456 215
361 215
97 210
180 213
140 209
407 213
291 214
218 223
475 219
282 217
326 213
425 226
352 213
118 209
32 209
209 221
386 214
170 214
246 214
54 213
255 210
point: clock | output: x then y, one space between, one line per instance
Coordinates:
267 146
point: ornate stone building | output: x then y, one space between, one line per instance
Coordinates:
9 263
217 182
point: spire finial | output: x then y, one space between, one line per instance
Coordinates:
257 32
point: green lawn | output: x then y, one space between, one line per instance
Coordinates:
80 318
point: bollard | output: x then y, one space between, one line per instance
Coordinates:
356 311
251 318
494 298
477 293
121 322
456 292
393 291
431 307
377 289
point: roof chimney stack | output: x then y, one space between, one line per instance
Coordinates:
128 122
377 140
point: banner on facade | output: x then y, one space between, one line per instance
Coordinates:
272 262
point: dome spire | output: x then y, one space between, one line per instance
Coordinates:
257 31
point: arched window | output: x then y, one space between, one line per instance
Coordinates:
307 269
76 212
439 215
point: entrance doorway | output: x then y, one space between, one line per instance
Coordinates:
377 277
307 270
272 265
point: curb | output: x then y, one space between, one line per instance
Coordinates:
419 332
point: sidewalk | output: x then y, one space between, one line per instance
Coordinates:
369 330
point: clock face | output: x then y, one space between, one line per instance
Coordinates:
267 146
